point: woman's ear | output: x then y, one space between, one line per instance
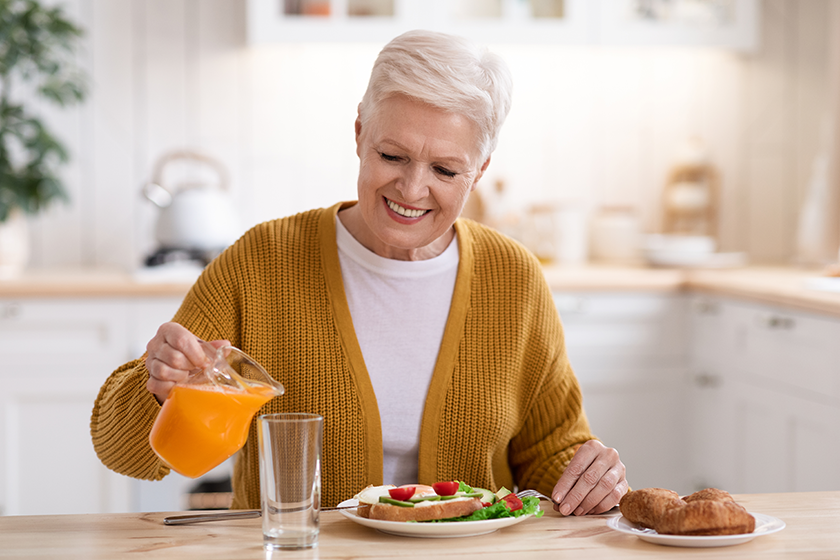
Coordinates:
480 173
358 122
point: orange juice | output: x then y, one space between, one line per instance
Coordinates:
200 426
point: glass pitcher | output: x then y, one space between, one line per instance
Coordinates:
205 418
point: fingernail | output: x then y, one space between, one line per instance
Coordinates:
579 511
565 509
557 498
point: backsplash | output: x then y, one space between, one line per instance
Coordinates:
590 126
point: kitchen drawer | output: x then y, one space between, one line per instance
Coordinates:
791 349
612 328
74 333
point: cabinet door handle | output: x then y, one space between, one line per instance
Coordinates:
777 322
707 380
706 307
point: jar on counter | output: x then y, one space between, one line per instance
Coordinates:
556 233
615 235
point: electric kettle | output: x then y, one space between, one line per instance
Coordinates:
196 214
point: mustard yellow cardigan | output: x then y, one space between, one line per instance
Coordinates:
503 409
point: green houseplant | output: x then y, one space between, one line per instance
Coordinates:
37 46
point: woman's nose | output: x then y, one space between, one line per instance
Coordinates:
413 185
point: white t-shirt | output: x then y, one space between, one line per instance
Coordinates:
399 311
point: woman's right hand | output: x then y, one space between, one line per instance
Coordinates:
170 357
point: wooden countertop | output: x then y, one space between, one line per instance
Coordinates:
772 285
91 283
788 287
812 520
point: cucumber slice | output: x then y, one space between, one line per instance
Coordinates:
487 496
393 502
462 495
424 499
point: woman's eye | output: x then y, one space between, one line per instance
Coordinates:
445 172
388 157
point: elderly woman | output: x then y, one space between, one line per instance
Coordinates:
430 344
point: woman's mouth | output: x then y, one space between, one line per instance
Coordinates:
403 211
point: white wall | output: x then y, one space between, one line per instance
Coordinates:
595 125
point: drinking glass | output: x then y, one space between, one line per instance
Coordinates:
290 479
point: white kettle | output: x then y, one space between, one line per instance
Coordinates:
194 215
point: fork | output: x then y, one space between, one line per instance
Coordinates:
535 494
540 495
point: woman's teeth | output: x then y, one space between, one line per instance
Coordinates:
405 211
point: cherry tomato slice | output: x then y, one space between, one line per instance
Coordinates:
447 488
402 493
513 502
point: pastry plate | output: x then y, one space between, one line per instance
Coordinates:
430 530
764 525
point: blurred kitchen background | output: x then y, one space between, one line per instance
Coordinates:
629 117
598 119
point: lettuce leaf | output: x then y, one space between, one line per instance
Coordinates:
497 511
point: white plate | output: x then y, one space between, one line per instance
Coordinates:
431 530
764 525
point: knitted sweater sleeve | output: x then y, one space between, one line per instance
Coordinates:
553 429
122 418
554 425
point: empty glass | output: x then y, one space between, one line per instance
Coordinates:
290 479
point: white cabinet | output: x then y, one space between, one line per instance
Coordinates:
729 24
629 352
528 21
697 391
54 356
765 400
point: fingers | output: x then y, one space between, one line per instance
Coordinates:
170 357
593 482
179 348
219 343
577 467
157 386
612 499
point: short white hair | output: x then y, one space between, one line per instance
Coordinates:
447 72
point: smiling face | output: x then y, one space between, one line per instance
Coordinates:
418 165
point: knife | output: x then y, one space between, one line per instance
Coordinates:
227 515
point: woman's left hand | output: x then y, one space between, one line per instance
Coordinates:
594 481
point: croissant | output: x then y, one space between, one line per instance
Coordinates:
708 512
646 506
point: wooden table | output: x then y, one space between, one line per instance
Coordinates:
813 531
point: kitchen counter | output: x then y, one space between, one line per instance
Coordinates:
770 285
812 520
90 283
782 286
